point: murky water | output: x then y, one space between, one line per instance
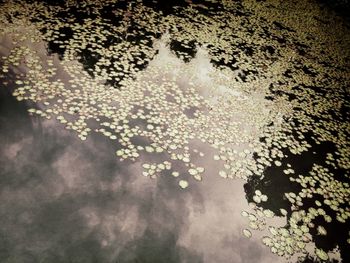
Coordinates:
186 131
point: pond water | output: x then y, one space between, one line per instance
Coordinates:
177 131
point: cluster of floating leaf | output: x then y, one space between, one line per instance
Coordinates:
335 194
150 113
257 219
289 240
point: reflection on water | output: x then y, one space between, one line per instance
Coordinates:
224 132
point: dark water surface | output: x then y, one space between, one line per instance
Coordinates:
69 199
